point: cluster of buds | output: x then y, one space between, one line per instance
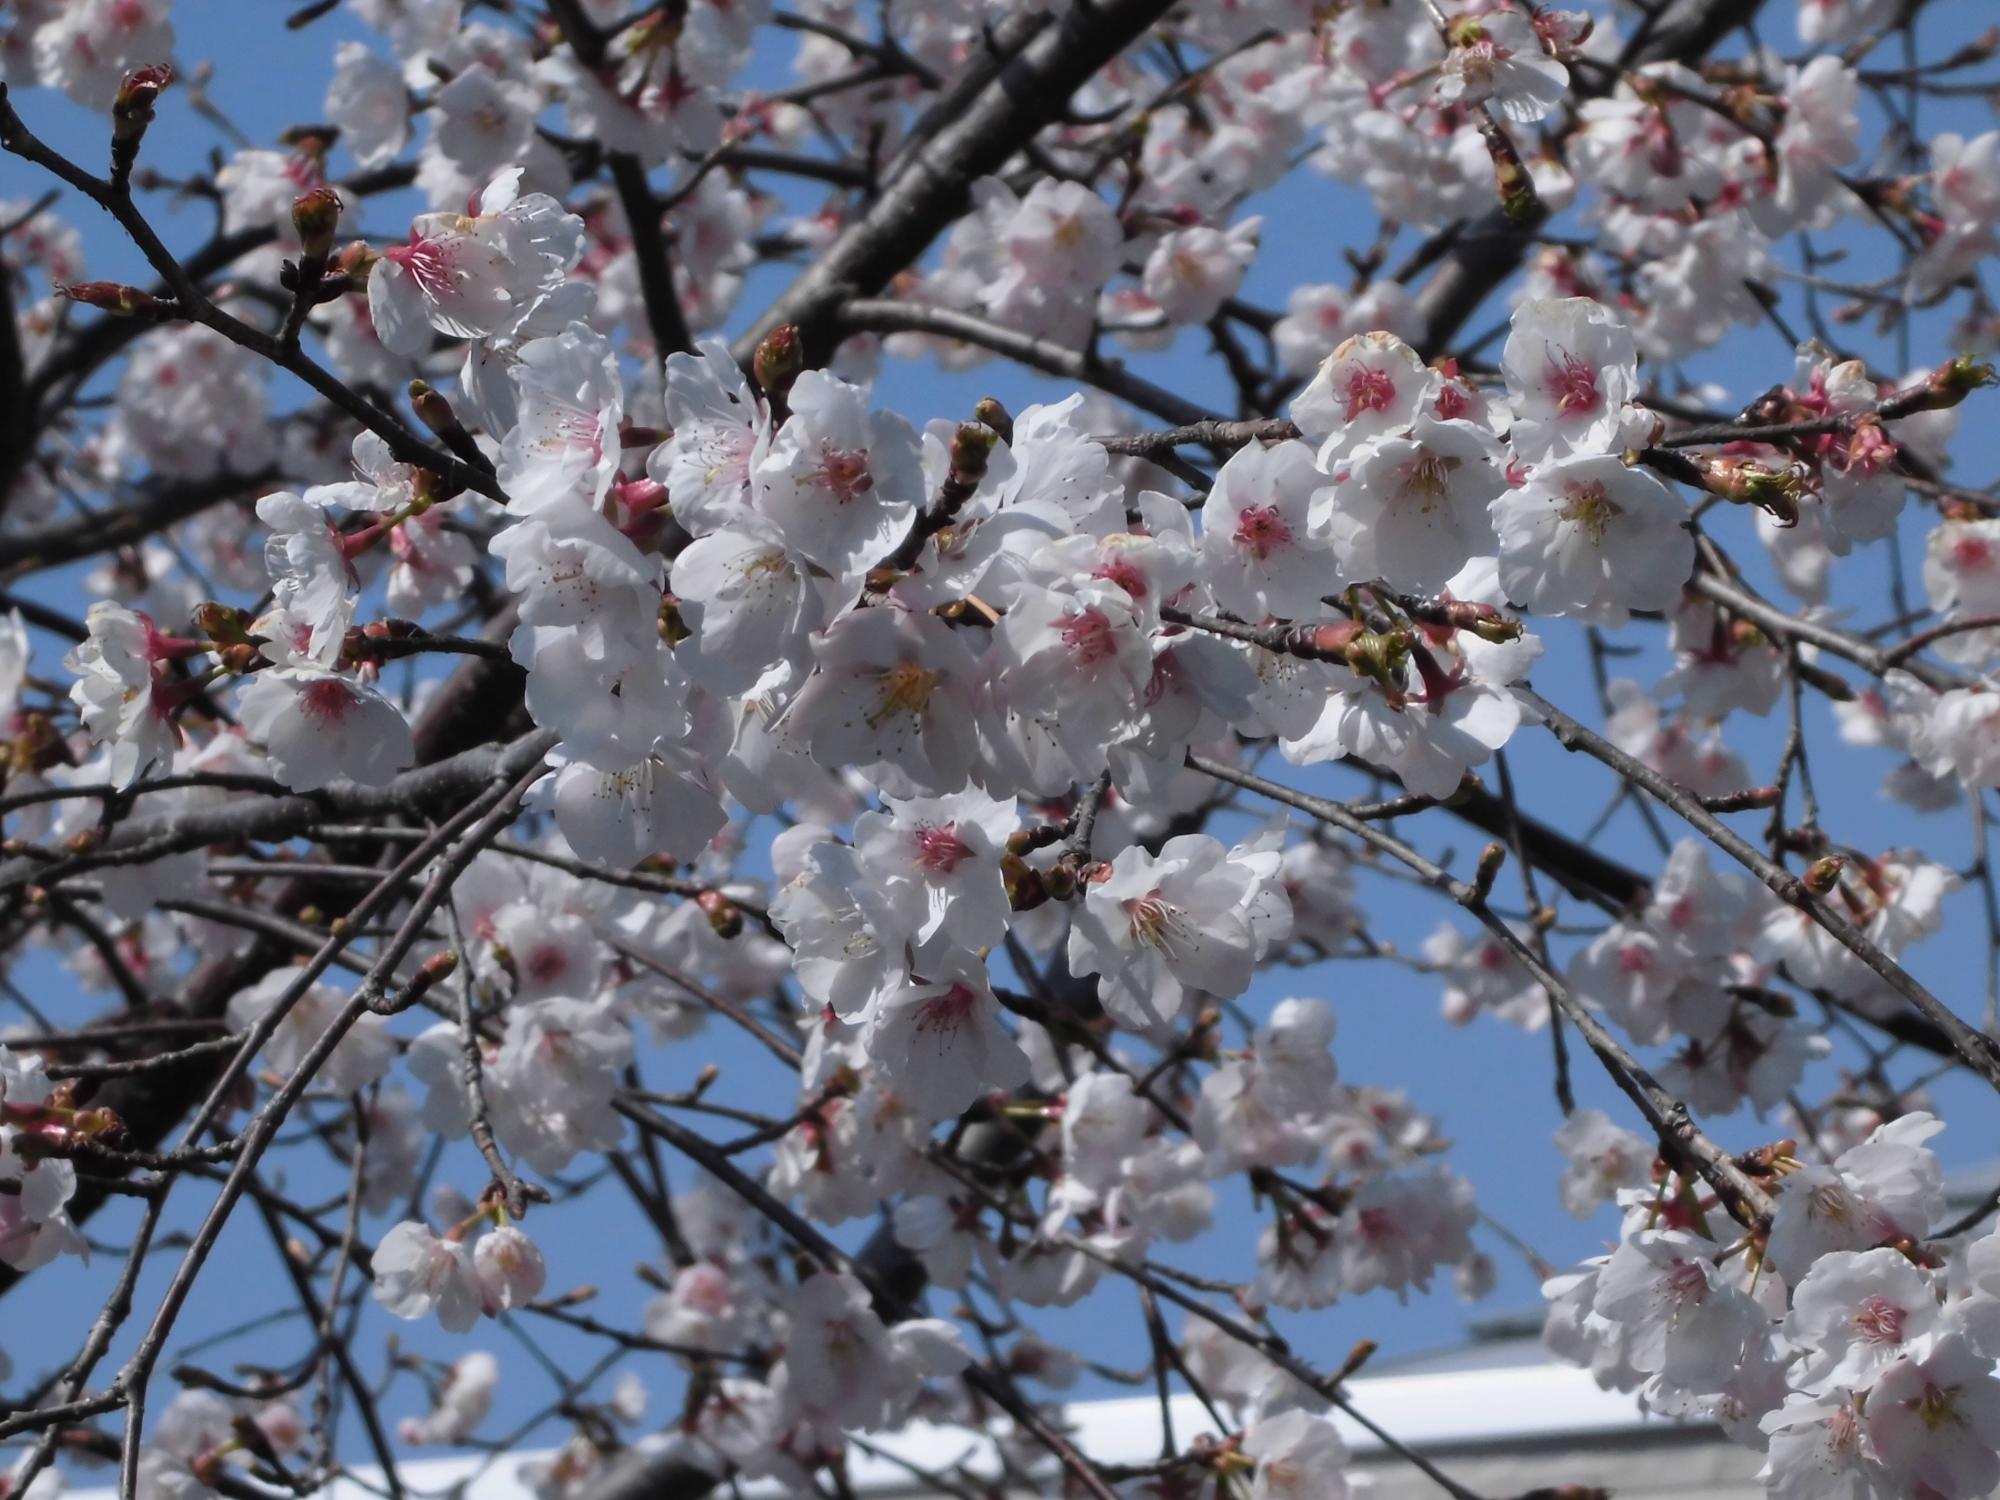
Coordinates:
57 1127
229 631
1379 655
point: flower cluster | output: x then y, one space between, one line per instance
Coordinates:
596 668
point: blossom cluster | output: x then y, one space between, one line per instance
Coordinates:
919 750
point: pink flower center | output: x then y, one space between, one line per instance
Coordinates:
1452 402
427 261
707 1289
1972 553
1573 382
1634 958
1376 1225
1369 390
1128 575
939 848
1684 1282
949 1011
328 700
1880 1321
1088 635
1260 531
845 474
546 964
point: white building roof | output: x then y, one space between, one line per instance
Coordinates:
1525 1400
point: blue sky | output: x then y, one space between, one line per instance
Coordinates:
1489 1085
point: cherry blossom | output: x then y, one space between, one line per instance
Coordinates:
417 1273
1153 927
1370 386
940 1040
1590 537
518 690
474 276
1260 553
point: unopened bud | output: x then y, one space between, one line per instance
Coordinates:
223 623
1025 887
433 409
242 658
1483 620
115 297
1823 874
1491 858
1060 880
1377 655
990 413
971 447
132 105
1748 800
315 216
780 359
673 624
1359 1355
1743 481
1328 642
1027 840
356 259
1947 385
723 914
431 973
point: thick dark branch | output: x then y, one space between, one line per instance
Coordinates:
160 504
934 184
423 790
